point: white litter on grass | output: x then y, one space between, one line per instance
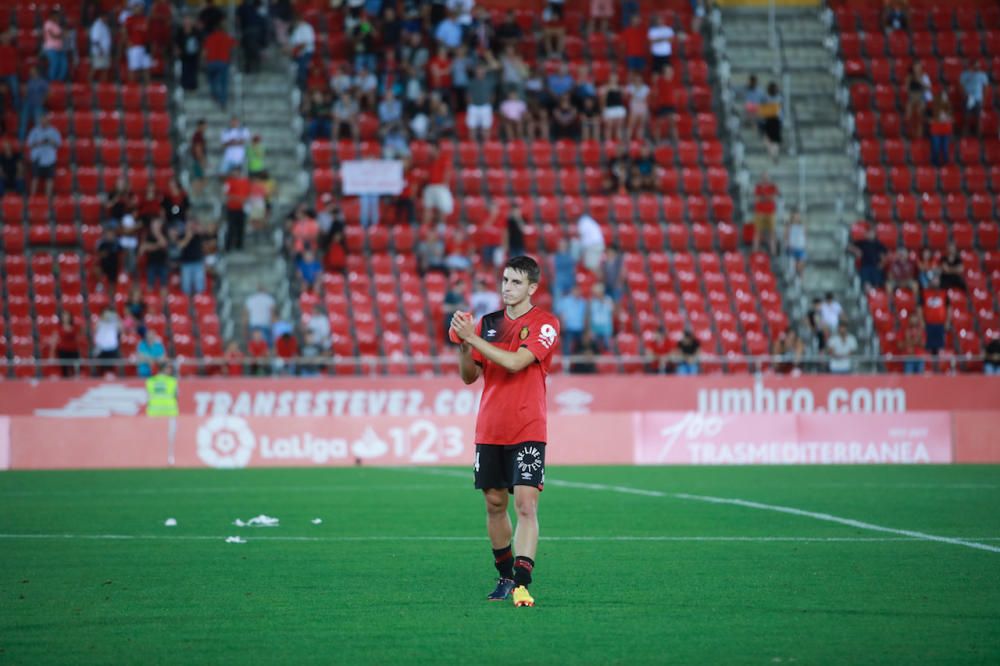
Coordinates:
257 521
170 522
316 521
235 540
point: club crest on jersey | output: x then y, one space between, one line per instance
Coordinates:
524 332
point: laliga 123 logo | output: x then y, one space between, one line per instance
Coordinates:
225 442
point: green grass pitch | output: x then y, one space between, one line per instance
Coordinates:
398 570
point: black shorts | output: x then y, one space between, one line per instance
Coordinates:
506 466
43 172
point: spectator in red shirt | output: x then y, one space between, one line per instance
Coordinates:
437 193
138 39
659 348
258 350
636 44
765 205
439 73
237 189
161 17
665 88
936 316
286 348
65 344
234 360
218 50
901 272
488 238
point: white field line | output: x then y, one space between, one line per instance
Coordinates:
192 490
345 538
850 522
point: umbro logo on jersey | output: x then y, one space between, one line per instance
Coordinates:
491 333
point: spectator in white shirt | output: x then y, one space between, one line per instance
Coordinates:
301 46
661 43
830 312
840 347
260 312
591 242
100 49
484 299
234 146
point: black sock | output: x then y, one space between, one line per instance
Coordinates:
503 560
522 570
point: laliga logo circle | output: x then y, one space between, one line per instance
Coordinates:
225 442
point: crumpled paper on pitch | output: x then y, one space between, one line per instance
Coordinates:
257 521
235 539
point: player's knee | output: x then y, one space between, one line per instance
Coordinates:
526 507
496 503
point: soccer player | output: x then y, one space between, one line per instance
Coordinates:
511 350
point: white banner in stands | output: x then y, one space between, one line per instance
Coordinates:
372 177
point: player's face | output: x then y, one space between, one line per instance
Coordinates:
515 288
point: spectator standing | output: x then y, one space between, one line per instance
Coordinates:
149 353
614 272
840 347
912 346
192 260
65 344
280 12
919 93
11 168
513 240
636 45
638 108
564 269
175 203
100 48
686 356
936 317
33 104
928 267
974 81
234 141
254 34
256 155
952 270
479 115
154 247
795 242
830 312
770 115
107 333
601 316
572 311
871 254
187 44
591 242
109 257
942 127
54 47
43 142
259 313
137 37
218 48
237 190
438 201
613 112
765 206
199 158
901 272
661 42
753 97
210 17
301 46
484 299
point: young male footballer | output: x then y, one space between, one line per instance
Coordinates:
511 350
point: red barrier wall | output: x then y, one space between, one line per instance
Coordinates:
977 437
626 438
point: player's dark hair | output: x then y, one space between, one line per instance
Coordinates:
525 265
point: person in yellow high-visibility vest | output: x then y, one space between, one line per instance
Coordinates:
161 400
